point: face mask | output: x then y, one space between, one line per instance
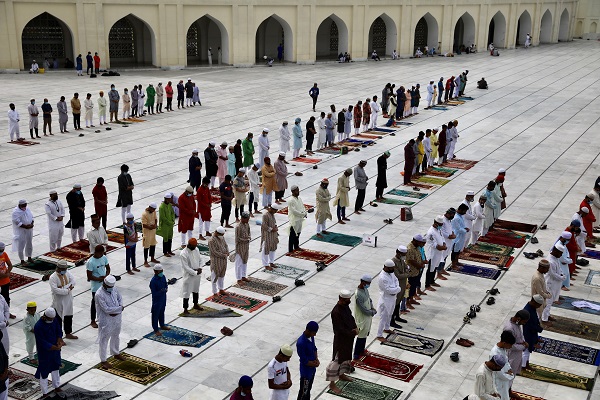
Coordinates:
243 394
48 321
367 286
439 227
33 102
109 290
188 194
78 192
470 201
112 88
567 242
62 272
161 275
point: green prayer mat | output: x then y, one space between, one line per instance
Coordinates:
573 327
40 265
287 271
203 249
136 369
406 193
208 312
491 248
432 180
558 377
397 202
339 238
360 389
442 169
65 365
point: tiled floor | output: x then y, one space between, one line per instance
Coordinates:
539 120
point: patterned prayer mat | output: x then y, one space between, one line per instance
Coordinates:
475 270
261 286
23 386
84 246
180 337
486 258
18 280
74 256
39 265
461 164
573 327
432 180
307 160
136 369
525 396
65 365
116 237
593 278
385 130
567 304
24 142
215 196
592 254
397 202
438 108
440 171
569 351
406 193
339 238
203 249
422 185
72 392
558 377
285 209
360 389
287 271
313 255
515 226
238 301
208 312
491 248
387 366
413 342
504 237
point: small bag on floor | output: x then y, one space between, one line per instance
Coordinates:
406 214
369 240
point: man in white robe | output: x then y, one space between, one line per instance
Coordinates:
389 287
33 111
253 197
554 279
322 131
434 251
13 123
583 235
296 214
454 135
62 283
485 385
595 205
449 235
479 218
263 146
503 379
56 213
469 217
375 110
430 98
109 306
191 268
284 138
4 318
22 221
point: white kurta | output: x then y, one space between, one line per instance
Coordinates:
296 213
484 383
263 148
375 109
191 262
88 104
430 91
322 132
21 235
446 231
596 209
56 229
62 296
502 379
109 327
581 237
254 180
388 289
469 217
284 138
13 124
434 238
452 145
4 317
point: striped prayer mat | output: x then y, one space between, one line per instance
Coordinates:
475 270
491 248
569 351
551 375
237 301
261 286
406 193
486 258
441 172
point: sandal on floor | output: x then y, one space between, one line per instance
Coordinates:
388 221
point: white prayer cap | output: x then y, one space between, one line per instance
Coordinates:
62 264
345 294
257 165
294 187
500 360
189 188
419 238
591 195
223 143
221 230
388 263
566 235
153 205
501 171
402 249
129 216
50 312
242 169
538 298
22 202
439 219
157 267
265 130
189 79
470 193
168 195
559 247
275 206
194 151
53 192
110 281
212 143
286 350
584 209
77 186
366 278
282 153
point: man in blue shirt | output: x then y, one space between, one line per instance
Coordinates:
159 288
90 63
309 360
97 269
314 93
440 90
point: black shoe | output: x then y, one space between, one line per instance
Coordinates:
401 320
395 325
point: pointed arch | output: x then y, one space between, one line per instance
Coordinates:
203 34
593 27
523 27
563 30
273 32
46 36
426 32
131 42
383 36
546 27
497 30
332 38
464 32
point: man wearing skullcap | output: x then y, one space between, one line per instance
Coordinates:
31 318
363 314
499 190
417 262
166 222
435 248
344 331
248 150
342 200
204 201
538 284
323 209
449 235
322 132
269 183
532 328
195 170
581 238
401 270
97 268
554 279
564 260
22 222
48 339
100 200
109 305
4 318
219 252
149 225
478 213
309 359
297 136
453 131
13 124
278 374
191 266
389 288
131 238
284 138
269 237
76 203
242 248
62 283
469 217
504 378
296 214
485 378
595 206
573 247
239 193
263 146
187 215
211 159
5 270
281 173
158 289
589 218
244 389
381 182
125 199
222 162
461 232
56 227
360 181
254 180
515 326
492 207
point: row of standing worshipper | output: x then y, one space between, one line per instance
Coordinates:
452 89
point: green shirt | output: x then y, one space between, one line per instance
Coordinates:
248 152
166 221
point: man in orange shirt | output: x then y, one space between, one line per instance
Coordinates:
5 268
97 63
204 199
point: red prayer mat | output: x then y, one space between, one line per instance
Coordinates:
307 160
458 163
116 237
443 174
72 255
313 255
238 301
285 209
524 396
387 366
84 246
504 237
486 258
24 142
515 226
215 196
18 280
367 136
421 185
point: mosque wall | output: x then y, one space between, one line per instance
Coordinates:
177 33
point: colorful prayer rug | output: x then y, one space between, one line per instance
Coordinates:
136 369
387 366
339 238
313 255
486 258
573 327
215 196
558 377
23 142
330 150
515 226
505 238
592 254
524 396
208 312
475 270
491 248
116 237
432 180
397 202
413 342
261 286
368 136
406 193
203 249
72 392
360 389
84 246
569 351
461 164
307 160
287 271
285 209
441 172
385 130
180 337
567 304
65 365
74 256
422 185
238 301
593 278
39 265
18 280
23 386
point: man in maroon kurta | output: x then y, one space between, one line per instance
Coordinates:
344 331
573 248
588 218
204 205
409 161
100 200
187 215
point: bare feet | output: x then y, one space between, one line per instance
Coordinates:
94 325
334 388
196 307
119 357
165 328
222 292
245 279
346 378
71 336
157 333
273 265
201 237
105 365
